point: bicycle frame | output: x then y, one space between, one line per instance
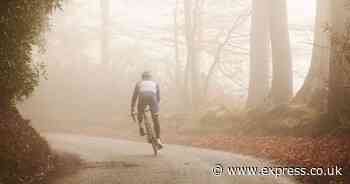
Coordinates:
149 132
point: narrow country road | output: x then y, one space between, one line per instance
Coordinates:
110 161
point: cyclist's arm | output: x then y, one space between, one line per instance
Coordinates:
134 96
158 93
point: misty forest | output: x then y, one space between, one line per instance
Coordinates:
256 79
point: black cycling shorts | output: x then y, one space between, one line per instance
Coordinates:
148 101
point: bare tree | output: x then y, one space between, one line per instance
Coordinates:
177 49
317 77
270 23
339 79
282 76
192 12
259 53
221 46
105 33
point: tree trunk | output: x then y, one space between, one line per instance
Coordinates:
282 76
105 33
317 77
339 91
189 48
195 70
259 54
176 51
193 39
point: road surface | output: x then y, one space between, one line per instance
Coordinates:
110 161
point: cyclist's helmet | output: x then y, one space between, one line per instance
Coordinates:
146 75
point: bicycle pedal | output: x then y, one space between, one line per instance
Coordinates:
159 146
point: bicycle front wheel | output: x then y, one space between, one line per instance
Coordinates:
150 137
155 148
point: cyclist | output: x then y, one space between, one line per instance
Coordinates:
147 93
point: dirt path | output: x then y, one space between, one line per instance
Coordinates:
111 161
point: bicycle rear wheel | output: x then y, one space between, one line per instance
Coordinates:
155 148
151 137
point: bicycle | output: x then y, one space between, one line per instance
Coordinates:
151 138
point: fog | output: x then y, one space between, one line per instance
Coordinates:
94 89
131 37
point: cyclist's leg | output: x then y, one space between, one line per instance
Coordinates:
155 116
141 110
156 125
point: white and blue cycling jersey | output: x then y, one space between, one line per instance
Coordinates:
148 94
